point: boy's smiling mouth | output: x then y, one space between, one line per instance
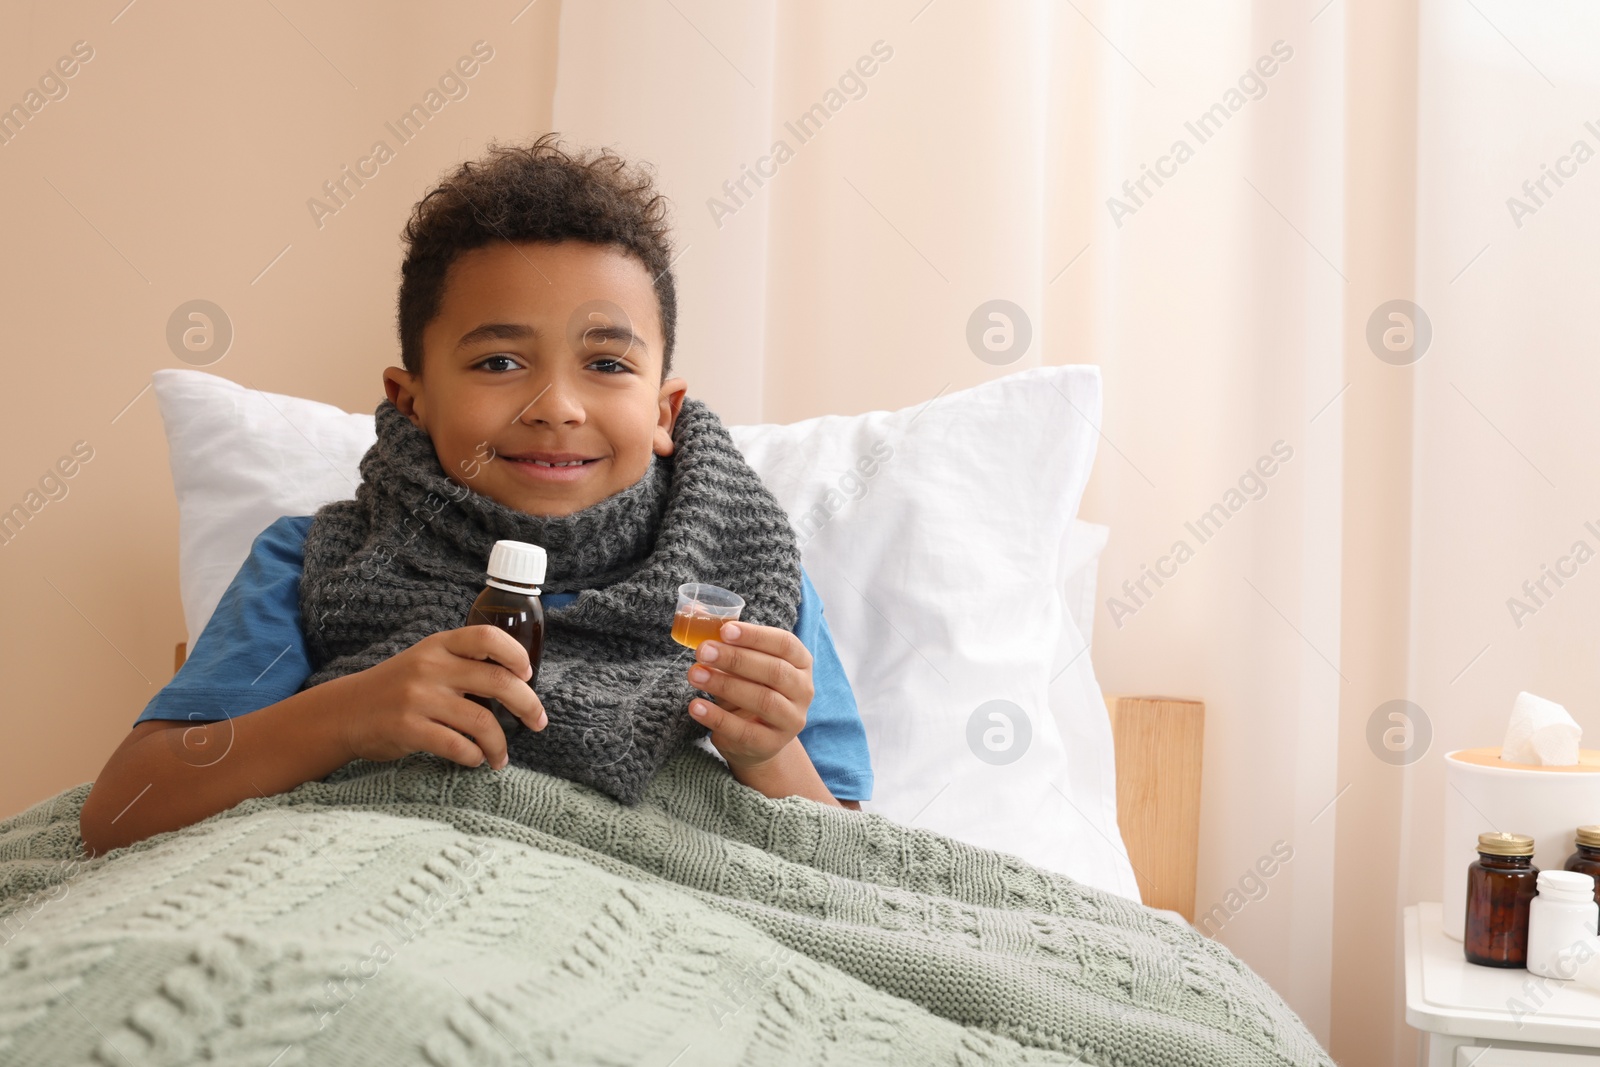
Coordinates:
552 466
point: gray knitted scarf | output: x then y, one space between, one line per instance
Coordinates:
406 559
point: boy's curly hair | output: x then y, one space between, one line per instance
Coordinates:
534 192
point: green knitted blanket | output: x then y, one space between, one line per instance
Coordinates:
419 912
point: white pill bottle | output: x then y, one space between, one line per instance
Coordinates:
1563 915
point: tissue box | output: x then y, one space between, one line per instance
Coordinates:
1484 792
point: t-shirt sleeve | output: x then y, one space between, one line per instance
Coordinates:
251 652
834 736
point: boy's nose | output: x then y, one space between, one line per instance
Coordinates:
553 403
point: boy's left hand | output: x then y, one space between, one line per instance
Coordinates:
760 677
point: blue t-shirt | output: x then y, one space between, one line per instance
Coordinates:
252 654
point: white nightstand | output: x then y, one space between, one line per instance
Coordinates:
1470 1016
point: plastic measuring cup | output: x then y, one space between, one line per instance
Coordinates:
702 609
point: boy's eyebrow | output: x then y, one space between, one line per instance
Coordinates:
614 332
496 331
517 331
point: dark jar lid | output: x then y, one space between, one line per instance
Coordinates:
1503 844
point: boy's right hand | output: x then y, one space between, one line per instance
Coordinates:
416 700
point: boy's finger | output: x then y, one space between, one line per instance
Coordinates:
773 640
725 724
491 680
763 668
478 723
733 709
769 705
489 642
451 745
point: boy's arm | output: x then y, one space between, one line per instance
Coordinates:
790 773
168 774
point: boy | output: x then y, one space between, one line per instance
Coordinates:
537 314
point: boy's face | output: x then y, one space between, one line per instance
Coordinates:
520 366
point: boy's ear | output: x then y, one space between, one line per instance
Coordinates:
404 391
673 391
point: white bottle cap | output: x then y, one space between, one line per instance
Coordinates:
517 563
1566 885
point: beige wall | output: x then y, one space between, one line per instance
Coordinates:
176 167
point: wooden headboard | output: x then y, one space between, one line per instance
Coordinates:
1158 742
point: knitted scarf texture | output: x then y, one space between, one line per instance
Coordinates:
406 559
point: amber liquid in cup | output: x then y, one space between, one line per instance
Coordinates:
701 611
692 629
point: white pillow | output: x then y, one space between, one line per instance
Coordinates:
1080 571
937 536
942 539
241 459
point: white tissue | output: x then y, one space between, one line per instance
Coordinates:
1540 732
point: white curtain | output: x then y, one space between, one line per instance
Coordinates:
1210 204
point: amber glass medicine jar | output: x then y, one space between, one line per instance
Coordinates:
1501 884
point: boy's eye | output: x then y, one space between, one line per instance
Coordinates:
498 364
621 368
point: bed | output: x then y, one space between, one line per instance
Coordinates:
1159 743
985 908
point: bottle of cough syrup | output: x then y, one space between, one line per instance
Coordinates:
511 603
